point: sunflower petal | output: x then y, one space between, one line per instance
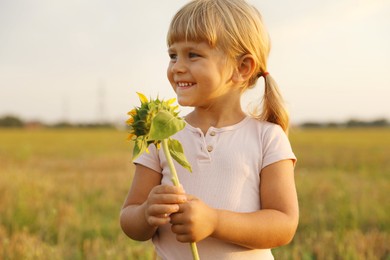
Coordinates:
133 112
171 101
130 137
130 121
142 98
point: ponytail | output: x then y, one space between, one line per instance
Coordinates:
273 105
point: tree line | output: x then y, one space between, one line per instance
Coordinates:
347 124
10 121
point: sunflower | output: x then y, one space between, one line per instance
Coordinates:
153 122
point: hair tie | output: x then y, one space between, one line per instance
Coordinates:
262 74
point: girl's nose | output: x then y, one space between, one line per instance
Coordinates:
178 66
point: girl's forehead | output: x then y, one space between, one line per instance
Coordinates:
201 45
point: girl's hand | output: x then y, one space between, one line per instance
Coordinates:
163 200
194 221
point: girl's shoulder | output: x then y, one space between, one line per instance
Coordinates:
264 126
266 131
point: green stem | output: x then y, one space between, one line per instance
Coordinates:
194 250
175 181
174 178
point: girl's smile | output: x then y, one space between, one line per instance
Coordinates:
184 85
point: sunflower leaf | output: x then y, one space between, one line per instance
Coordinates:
164 125
177 153
140 146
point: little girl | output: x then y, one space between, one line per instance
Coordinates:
240 200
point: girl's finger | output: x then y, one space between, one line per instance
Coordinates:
167 198
162 209
158 220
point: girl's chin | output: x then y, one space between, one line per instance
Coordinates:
184 101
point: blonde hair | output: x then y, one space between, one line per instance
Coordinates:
236 28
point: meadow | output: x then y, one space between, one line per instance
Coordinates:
61 192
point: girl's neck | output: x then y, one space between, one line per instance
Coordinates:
206 118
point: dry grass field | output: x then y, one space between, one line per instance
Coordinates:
61 192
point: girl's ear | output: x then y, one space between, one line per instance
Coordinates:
245 69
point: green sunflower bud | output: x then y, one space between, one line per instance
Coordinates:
153 121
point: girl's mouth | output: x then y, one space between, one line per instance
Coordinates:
185 84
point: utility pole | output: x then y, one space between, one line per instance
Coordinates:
65 109
101 109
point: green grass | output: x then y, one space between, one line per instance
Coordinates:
342 179
61 192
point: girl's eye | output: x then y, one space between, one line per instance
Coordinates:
193 55
172 56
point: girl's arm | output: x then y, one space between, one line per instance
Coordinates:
274 225
148 204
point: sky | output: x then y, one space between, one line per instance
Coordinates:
84 60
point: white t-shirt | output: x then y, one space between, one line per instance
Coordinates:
226 165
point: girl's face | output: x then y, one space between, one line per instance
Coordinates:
199 74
